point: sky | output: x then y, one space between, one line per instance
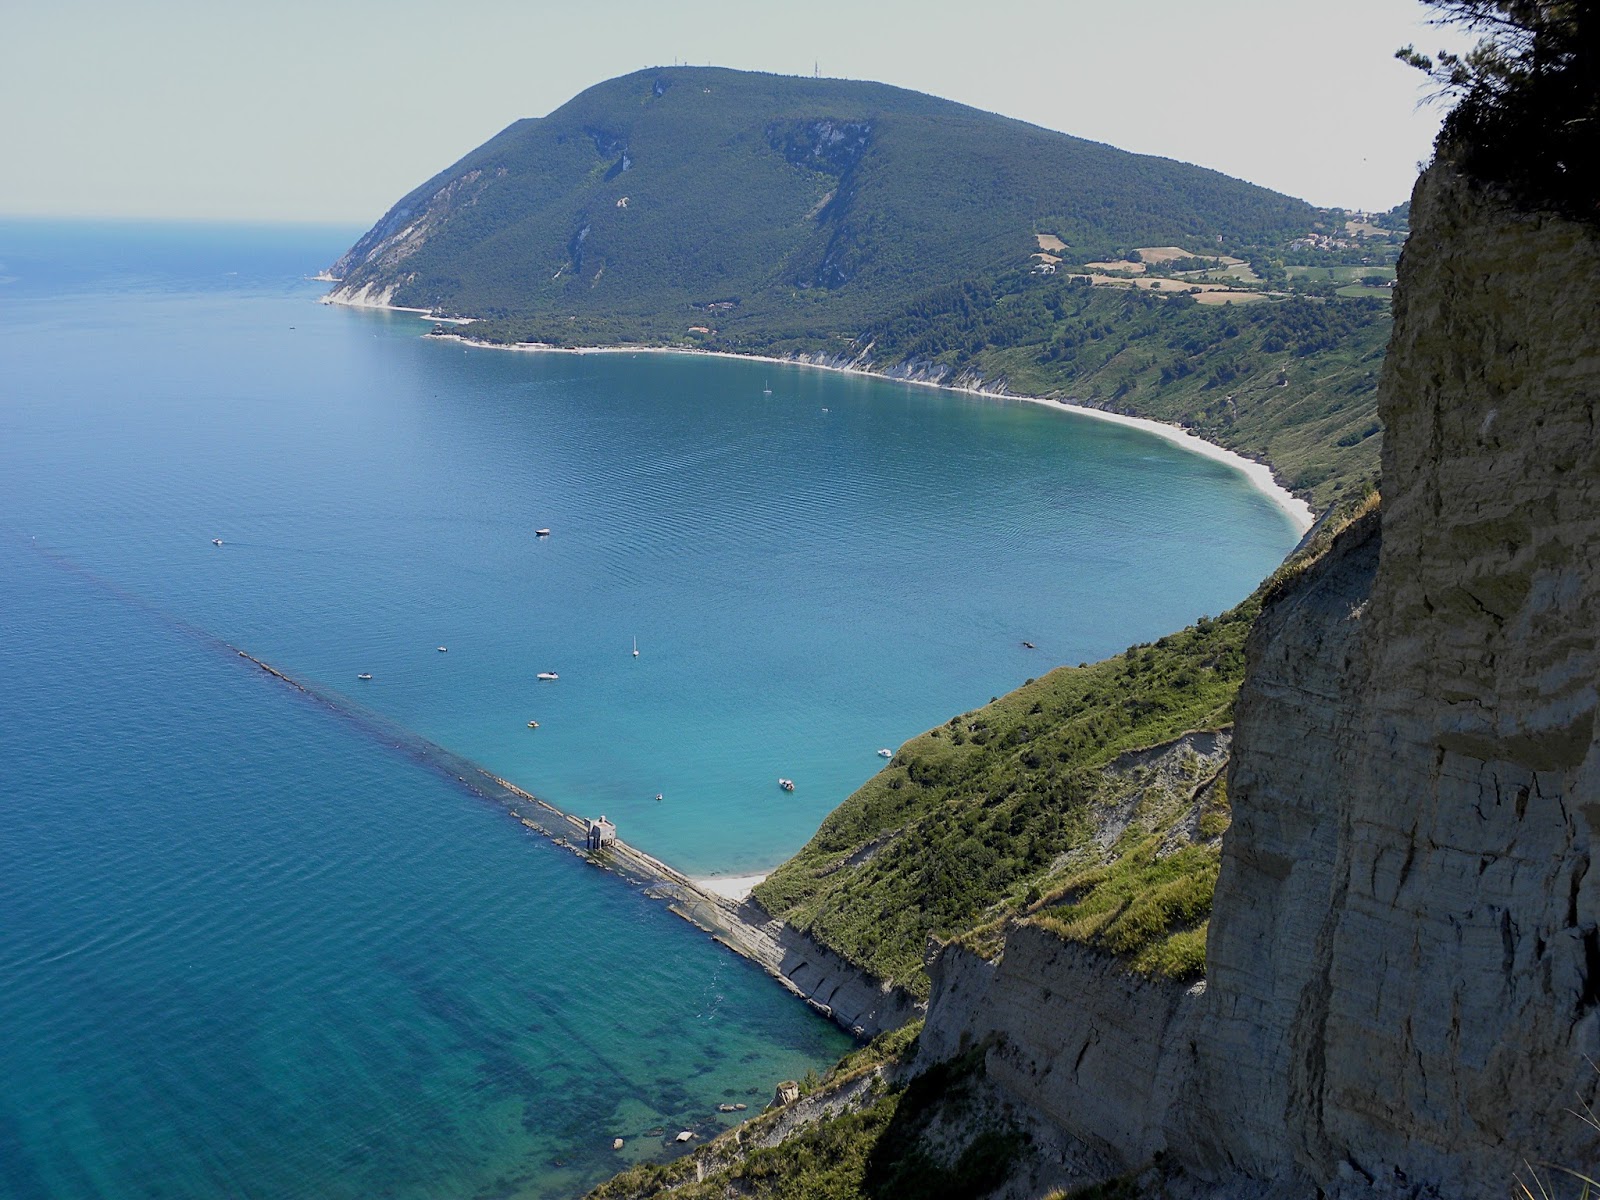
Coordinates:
330 110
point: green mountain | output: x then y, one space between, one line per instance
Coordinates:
767 206
863 224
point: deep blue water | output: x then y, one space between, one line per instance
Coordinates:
248 949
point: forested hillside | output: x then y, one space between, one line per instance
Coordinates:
774 206
1291 383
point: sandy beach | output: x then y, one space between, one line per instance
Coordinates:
730 887
1258 473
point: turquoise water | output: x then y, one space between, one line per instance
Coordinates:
250 949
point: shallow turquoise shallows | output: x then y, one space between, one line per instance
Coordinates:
249 948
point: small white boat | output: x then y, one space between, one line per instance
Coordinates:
533 724
444 649
660 796
216 541
636 647
364 675
886 753
550 675
541 533
786 784
766 388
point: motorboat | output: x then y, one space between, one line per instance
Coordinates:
636 647
548 675
365 675
533 724
786 784
216 541
444 649
541 533
885 753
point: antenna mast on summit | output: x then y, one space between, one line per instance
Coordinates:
816 69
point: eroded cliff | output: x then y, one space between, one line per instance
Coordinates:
1403 968
1404 950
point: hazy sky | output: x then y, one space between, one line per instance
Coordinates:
330 110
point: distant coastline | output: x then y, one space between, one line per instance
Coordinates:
1260 474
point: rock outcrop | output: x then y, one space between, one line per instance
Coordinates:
1403 991
1095 1060
845 993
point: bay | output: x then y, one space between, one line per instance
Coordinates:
249 949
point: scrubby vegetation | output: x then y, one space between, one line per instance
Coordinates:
1293 383
1149 907
970 819
771 207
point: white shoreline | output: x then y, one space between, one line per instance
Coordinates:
730 887
1258 473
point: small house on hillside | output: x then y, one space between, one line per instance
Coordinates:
601 833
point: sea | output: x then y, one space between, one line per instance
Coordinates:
250 945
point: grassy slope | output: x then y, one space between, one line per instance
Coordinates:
878 1146
968 820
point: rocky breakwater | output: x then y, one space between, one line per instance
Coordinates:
1404 958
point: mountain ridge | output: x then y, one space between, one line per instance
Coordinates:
635 193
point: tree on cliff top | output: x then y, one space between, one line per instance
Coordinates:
1528 113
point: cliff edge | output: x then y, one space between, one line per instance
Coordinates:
1404 956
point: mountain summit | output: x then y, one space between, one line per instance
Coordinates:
773 206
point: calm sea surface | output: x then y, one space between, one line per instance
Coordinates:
247 948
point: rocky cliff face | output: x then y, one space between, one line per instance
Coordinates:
1403 986
1406 921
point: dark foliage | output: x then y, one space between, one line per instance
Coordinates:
1527 115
